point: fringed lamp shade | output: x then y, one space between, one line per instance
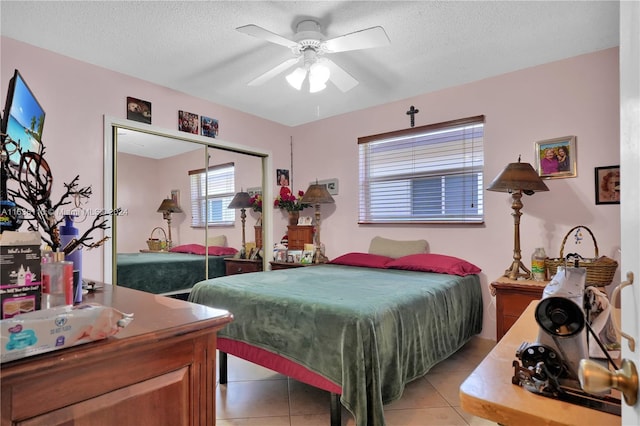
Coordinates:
515 179
169 206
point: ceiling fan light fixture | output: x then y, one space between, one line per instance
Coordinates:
296 78
318 76
316 87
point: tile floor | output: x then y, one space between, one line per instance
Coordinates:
255 396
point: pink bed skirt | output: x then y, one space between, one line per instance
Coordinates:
277 363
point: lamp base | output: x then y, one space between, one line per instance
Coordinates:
318 257
513 272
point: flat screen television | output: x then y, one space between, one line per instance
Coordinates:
23 118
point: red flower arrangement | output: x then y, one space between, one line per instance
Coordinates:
256 203
289 202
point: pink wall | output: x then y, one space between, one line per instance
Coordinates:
577 96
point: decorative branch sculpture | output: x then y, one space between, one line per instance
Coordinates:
31 194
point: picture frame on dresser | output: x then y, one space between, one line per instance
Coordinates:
294 256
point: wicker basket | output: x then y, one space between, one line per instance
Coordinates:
156 244
600 270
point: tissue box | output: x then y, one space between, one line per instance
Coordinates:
57 328
20 282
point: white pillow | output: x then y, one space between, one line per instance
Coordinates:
395 248
217 241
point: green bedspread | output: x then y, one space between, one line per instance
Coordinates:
165 272
369 330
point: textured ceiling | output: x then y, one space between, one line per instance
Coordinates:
193 47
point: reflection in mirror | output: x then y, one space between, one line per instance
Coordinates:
174 212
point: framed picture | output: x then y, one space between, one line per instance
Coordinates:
188 122
331 184
138 110
307 257
607 185
282 177
208 126
255 190
280 255
556 158
305 221
175 196
294 256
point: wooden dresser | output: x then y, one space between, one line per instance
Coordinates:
512 298
159 370
298 236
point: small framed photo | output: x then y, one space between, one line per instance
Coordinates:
607 185
282 177
188 122
307 257
331 184
305 221
175 196
209 126
280 255
138 110
556 158
294 256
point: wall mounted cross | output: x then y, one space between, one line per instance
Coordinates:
412 112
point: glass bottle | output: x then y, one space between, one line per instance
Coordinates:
538 268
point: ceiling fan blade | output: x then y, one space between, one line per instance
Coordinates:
274 71
363 39
259 32
342 79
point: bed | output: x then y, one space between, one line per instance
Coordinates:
170 272
361 327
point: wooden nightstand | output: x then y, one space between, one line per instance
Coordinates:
512 298
298 236
242 266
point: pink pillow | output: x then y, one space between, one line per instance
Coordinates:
429 262
366 260
221 251
201 250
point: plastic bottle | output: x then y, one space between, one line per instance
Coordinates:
57 282
68 233
538 269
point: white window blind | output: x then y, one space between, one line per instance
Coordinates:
427 174
212 190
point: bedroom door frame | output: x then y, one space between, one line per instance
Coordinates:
111 124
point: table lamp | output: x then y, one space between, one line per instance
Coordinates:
317 194
516 179
242 201
167 207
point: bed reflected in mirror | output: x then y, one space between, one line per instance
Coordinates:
174 228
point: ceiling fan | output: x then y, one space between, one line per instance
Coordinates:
310 48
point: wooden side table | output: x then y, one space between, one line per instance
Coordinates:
242 266
288 265
512 298
298 236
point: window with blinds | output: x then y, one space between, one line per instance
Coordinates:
212 190
427 174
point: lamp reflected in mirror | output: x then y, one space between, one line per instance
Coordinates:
242 201
516 179
317 194
167 207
